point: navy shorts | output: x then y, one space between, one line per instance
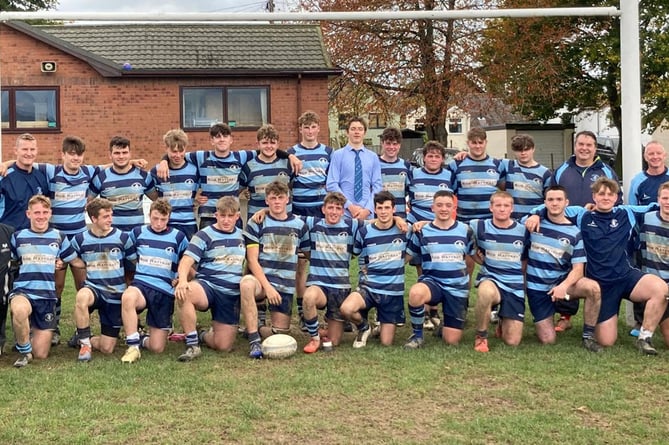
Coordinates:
159 305
109 311
614 292
316 211
512 305
541 305
389 309
453 302
224 307
286 306
335 297
42 316
187 229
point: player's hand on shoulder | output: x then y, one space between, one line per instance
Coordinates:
532 223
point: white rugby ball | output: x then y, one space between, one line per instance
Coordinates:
279 346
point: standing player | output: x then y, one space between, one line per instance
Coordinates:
331 246
577 175
442 245
124 185
264 169
271 254
308 187
395 172
355 172
217 252
426 181
525 179
502 245
158 248
33 298
180 187
101 252
555 271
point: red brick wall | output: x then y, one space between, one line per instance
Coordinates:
96 108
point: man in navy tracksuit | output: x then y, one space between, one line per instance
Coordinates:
577 175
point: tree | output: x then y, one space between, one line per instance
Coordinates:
27 5
398 66
542 65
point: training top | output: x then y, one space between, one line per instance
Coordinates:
16 189
644 187
578 180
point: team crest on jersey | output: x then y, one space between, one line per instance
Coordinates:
323 160
137 185
342 234
234 167
443 186
115 251
518 243
169 250
48 317
189 181
282 175
402 174
293 234
614 223
594 177
459 244
564 241
492 172
54 245
397 241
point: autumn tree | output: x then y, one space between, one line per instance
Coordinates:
397 66
27 5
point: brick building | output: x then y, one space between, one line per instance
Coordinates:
141 80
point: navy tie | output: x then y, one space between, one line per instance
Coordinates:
357 184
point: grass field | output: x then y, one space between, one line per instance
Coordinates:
451 395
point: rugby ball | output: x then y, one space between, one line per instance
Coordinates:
279 346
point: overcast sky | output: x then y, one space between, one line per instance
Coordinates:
163 6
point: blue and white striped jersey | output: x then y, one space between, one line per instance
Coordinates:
220 258
381 254
473 182
104 257
553 252
526 185
504 250
37 254
422 188
158 255
655 245
126 192
179 190
309 185
395 177
331 247
258 174
278 242
443 252
68 195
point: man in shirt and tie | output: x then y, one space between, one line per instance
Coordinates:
355 171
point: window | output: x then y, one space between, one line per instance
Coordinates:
31 109
240 107
455 125
377 120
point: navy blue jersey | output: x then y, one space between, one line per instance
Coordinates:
16 189
578 180
644 187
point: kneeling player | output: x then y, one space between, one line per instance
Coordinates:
381 247
443 246
159 248
102 250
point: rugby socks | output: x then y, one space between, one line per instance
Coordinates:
25 349
363 326
645 333
191 339
482 334
433 313
84 335
132 339
417 316
254 338
262 313
312 327
588 331
300 310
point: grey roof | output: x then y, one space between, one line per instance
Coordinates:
192 48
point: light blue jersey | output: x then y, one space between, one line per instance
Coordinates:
158 255
37 254
218 176
309 185
68 195
279 241
381 254
395 177
104 257
526 185
219 257
331 247
257 175
655 245
553 252
443 253
179 190
504 250
423 185
126 192
473 182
